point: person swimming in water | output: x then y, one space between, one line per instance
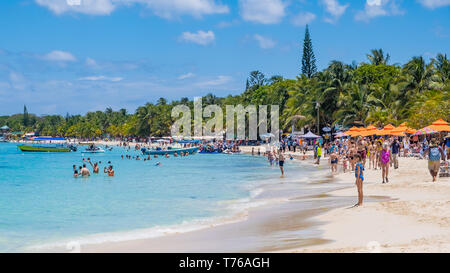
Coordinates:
75 173
85 171
95 167
109 170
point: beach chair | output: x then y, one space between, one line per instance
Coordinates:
444 169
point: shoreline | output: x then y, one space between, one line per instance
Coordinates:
249 218
409 214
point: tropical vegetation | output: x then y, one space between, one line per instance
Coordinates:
372 92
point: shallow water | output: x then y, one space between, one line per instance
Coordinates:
42 203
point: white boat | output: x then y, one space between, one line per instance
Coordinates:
92 150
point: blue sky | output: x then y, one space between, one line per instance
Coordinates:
59 56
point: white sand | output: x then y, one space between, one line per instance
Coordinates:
417 219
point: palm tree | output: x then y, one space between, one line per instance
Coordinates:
442 66
377 57
417 77
354 105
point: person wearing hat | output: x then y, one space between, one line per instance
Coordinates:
435 153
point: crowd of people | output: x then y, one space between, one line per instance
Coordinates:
355 155
382 154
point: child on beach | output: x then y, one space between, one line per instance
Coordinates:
359 175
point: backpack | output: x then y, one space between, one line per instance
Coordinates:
435 154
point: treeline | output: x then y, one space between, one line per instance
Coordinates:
374 92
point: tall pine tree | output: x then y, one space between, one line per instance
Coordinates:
308 60
26 118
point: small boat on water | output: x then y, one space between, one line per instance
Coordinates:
39 146
93 149
2 139
169 151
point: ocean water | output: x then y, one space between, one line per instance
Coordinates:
42 205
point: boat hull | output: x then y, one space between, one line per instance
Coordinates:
27 148
170 152
94 152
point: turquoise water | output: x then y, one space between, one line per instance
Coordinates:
42 203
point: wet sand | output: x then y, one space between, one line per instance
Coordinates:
287 222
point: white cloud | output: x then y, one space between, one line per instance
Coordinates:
59 56
162 8
17 81
174 8
264 42
186 76
303 18
219 80
375 8
335 9
93 7
432 4
101 78
262 11
201 37
91 63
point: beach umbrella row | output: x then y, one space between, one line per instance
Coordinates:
437 126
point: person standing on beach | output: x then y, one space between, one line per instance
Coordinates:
435 153
359 175
395 151
281 162
319 154
334 161
447 144
385 161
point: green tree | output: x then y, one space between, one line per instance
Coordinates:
377 57
308 60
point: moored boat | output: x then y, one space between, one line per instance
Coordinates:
43 148
39 145
170 151
94 149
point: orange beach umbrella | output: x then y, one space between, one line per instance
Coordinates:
370 131
354 131
387 129
439 125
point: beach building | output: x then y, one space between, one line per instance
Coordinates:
4 130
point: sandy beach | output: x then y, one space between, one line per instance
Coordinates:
409 214
416 219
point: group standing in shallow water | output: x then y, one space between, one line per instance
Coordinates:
83 171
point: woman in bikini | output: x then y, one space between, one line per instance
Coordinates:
359 175
385 158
